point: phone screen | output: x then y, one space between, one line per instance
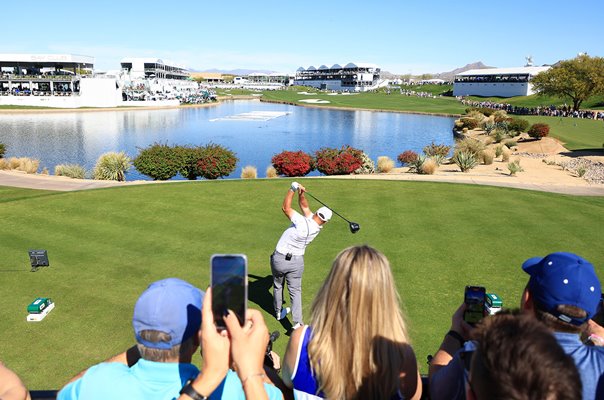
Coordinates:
474 298
229 286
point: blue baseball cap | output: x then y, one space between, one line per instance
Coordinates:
564 279
172 306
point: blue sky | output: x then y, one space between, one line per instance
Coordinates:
400 36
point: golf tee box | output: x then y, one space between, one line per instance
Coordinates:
493 303
39 309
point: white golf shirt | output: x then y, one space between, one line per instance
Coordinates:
299 235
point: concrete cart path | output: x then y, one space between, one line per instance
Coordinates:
59 183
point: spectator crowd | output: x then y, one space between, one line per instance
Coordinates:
549 111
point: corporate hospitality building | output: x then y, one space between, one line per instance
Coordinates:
496 82
353 77
69 81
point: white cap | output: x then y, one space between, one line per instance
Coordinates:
324 214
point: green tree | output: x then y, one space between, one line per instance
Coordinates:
577 79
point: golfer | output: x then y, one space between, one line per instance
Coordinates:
287 261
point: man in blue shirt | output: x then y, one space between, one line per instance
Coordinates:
166 321
563 292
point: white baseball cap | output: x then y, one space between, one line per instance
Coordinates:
324 214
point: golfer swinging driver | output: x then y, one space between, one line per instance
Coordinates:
287 261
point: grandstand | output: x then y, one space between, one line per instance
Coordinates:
353 77
496 82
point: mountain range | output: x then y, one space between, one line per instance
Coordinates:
448 76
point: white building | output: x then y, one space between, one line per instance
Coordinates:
141 68
496 82
353 77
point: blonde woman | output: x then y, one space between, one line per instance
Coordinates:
356 346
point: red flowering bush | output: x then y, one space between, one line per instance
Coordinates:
407 157
216 161
341 161
538 130
293 163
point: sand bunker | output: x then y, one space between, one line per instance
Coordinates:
253 116
314 101
307 93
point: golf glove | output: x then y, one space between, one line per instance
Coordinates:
295 186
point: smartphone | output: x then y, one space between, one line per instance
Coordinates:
474 297
228 276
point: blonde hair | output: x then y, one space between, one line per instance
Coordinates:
359 336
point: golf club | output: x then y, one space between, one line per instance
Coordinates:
354 227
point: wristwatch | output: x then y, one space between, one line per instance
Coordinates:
190 391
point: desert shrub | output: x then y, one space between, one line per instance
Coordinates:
538 130
44 171
487 156
487 112
500 115
429 166
477 115
406 157
515 167
112 166
465 160
185 159
498 135
3 164
581 170
14 162
518 125
436 149
510 144
488 126
438 159
499 150
70 170
271 172
470 145
343 161
249 172
505 153
417 164
470 123
28 165
2 150
216 161
367 166
385 164
158 161
293 163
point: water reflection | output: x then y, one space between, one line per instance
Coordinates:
81 137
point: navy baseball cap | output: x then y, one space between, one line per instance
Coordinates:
172 306
564 279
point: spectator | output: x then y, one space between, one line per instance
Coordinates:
564 293
167 321
357 345
287 261
518 358
11 387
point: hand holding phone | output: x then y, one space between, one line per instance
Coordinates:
474 298
228 275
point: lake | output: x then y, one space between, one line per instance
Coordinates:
255 131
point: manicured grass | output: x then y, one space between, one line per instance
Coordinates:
105 246
372 101
575 133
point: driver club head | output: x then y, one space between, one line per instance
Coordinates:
354 227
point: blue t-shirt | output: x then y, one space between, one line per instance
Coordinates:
148 380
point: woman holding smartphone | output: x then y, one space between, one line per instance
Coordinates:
357 345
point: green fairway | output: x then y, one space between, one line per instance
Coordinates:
105 246
371 101
575 133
